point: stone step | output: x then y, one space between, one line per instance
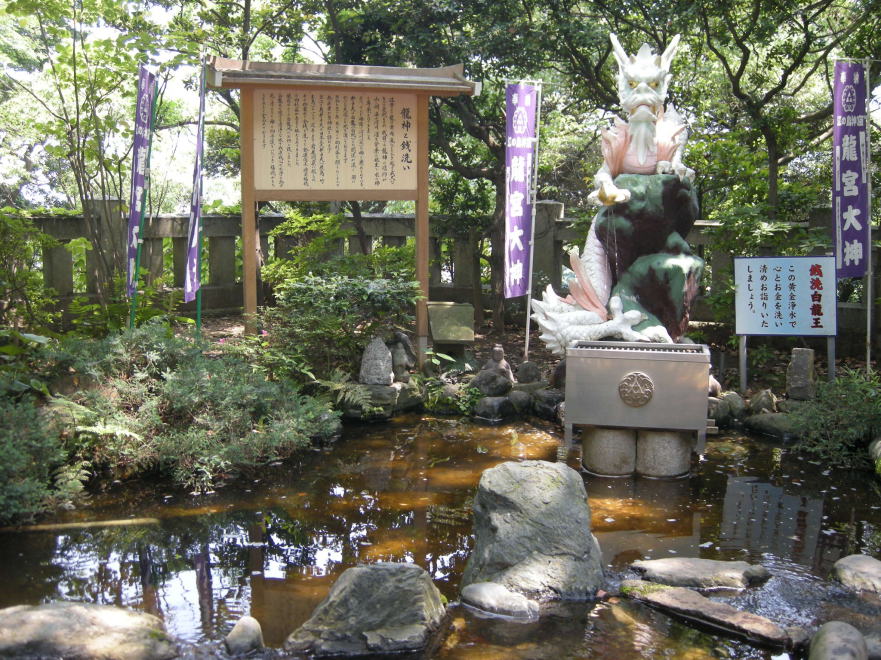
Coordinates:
691 606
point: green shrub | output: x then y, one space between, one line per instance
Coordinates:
324 323
25 302
160 404
30 449
155 304
843 419
317 238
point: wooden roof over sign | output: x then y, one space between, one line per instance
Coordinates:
443 81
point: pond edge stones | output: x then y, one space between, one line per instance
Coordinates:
701 573
858 572
692 606
83 630
373 609
532 534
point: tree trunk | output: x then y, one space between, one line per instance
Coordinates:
773 167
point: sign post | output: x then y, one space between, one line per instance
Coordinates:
785 296
193 274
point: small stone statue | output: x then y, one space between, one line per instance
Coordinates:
403 356
498 361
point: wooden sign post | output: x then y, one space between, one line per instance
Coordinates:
313 132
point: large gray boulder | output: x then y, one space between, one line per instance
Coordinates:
837 640
701 573
859 572
532 532
84 631
374 609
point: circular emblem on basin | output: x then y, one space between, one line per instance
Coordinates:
636 389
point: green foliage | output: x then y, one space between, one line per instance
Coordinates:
467 398
166 406
155 304
317 239
18 353
345 392
30 448
841 422
326 322
443 398
25 303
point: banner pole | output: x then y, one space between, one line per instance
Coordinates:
869 274
200 133
533 199
137 269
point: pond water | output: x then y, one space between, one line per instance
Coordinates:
271 547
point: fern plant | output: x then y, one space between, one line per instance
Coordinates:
344 392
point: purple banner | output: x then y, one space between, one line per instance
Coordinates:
520 148
850 170
140 166
193 276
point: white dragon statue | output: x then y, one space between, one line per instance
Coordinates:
605 300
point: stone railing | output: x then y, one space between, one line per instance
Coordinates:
455 278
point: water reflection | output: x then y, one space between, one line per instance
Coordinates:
402 492
763 518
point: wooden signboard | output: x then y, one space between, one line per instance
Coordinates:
339 142
313 132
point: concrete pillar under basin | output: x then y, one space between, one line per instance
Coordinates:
608 451
663 453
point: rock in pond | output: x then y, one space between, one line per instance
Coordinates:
528 372
496 599
84 631
245 636
701 573
762 401
774 425
521 401
495 409
690 605
492 382
837 640
532 532
546 403
735 403
859 572
374 609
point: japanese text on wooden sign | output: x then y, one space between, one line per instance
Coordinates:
315 140
785 295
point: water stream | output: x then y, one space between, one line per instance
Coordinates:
271 547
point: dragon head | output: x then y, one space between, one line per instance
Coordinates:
642 79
